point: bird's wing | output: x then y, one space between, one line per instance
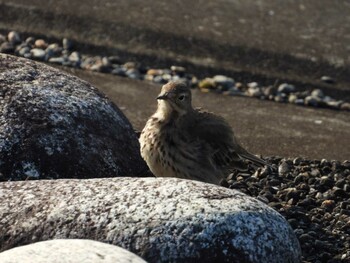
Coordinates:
215 131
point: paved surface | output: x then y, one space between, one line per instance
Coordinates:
298 41
263 127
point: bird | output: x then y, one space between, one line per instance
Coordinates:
190 143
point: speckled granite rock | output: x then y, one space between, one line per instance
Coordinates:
159 219
69 251
54 125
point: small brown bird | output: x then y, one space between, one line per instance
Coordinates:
180 141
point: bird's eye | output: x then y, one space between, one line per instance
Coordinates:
181 97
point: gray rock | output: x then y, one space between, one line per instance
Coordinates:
223 83
23 51
119 71
335 104
57 60
345 106
312 101
30 41
167 77
14 37
178 70
38 53
286 88
328 79
292 98
7 47
105 62
254 92
69 251
269 91
54 125
280 97
253 85
53 50
159 79
133 73
159 219
299 102
234 92
67 44
284 168
75 57
317 93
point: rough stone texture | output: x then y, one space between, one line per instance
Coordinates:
54 125
69 251
159 219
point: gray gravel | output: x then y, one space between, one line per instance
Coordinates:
313 195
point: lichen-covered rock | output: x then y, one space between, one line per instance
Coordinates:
69 251
54 125
159 219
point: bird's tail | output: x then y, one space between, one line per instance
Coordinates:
256 160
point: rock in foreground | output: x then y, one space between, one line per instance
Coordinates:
69 251
54 125
159 219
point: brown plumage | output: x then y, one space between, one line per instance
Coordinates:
179 141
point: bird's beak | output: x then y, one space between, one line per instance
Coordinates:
163 97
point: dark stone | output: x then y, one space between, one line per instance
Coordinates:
7 47
54 125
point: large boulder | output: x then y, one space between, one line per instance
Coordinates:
54 125
159 219
69 251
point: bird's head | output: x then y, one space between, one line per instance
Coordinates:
175 96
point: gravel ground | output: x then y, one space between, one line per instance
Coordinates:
313 195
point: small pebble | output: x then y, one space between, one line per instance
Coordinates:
67 44
38 53
119 71
75 57
154 72
254 92
317 93
345 106
207 84
7 47
292 98
223 83
286 88
24 51
57 60
283 168
30 41
14 37
178 70
328 79
335 104
40 43
312 101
